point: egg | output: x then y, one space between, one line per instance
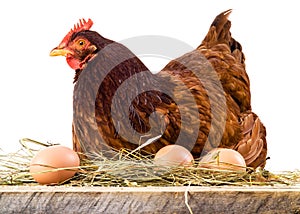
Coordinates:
173 155
225 159
52 158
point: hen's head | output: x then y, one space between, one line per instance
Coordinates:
80 45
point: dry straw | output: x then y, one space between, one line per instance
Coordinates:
132 169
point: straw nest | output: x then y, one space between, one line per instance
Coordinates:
132 169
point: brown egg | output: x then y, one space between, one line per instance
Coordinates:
173 155
221 158
52 158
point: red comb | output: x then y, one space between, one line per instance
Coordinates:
81 26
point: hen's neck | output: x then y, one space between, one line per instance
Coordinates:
77 73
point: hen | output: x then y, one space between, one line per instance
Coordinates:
200 100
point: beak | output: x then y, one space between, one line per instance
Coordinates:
60 52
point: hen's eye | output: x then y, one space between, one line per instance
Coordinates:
81 42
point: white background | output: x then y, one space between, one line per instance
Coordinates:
36 90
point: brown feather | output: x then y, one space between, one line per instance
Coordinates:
253 145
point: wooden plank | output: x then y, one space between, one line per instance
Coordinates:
61 199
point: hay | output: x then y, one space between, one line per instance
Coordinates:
132 169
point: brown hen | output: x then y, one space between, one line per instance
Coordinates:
200 100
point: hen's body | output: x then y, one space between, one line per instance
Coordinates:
200 100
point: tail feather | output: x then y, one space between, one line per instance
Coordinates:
219 30
219 33
222 24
